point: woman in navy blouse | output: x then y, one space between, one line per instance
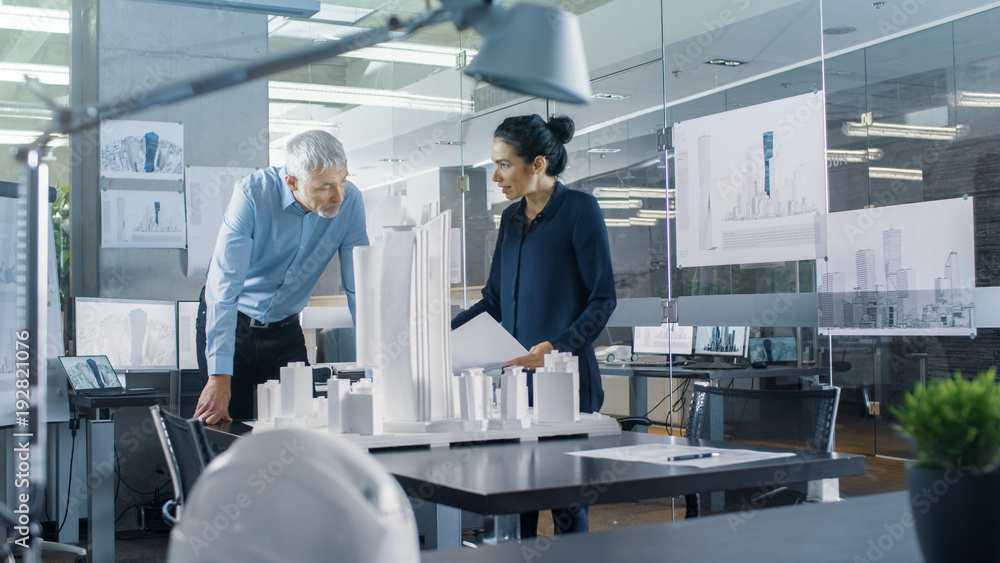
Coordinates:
551 283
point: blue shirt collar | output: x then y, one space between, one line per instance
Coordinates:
287 198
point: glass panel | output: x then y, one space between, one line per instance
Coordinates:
908 123
35 41
396 107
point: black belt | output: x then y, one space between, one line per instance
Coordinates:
254 323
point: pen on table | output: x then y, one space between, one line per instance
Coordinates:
693 456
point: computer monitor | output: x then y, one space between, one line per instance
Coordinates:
134 334
187 315
773 349
668 338
721 340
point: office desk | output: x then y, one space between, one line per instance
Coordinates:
870 528
501 480
637 374
100 430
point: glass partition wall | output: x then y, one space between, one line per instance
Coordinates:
775 106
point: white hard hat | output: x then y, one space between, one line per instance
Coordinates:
295 494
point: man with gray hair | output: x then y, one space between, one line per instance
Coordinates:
280 231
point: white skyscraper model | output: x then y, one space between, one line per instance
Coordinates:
404 322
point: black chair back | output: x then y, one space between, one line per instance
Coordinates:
801 420
185 447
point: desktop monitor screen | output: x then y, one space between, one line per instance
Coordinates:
668 338
133 334
772 349
721 340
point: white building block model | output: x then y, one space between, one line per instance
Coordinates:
365 409
266 397
337 410
353 408
297 390
476 392
557 389
513 399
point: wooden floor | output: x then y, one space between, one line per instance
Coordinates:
881 475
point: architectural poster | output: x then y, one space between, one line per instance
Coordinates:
902 270
142 219
150 150
750 183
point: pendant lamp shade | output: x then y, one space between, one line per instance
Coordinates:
534 50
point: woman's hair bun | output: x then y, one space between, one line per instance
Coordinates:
562 127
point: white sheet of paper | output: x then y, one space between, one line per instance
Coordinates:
482 343
208 191
661 454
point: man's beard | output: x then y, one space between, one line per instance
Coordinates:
329 211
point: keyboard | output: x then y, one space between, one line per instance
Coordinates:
647 363
714 366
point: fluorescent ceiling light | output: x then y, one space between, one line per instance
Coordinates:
608 96
364 97
34 19
603 151
896 173
652 213
25 112
858 129
650 193
845 156
975 99
46 74
617 223
725 62
337 14
642 221
414 53
630 193
619 203
482 163
611 192
299 125
18 137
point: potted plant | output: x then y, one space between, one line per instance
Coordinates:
955 482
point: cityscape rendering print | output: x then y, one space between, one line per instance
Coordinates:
900 270
750 183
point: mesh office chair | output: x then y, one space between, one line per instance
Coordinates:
801 420
187 450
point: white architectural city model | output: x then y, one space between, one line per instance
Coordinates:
404 341
486 402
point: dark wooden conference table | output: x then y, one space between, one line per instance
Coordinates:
503 479
863 529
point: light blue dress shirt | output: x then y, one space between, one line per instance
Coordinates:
269 256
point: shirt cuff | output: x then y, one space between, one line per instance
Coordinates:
219 365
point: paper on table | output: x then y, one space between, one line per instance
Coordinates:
482 343
661 454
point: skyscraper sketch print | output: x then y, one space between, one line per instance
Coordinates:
150 150
750 183
902 269
142 219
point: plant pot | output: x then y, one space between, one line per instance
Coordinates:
957 514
